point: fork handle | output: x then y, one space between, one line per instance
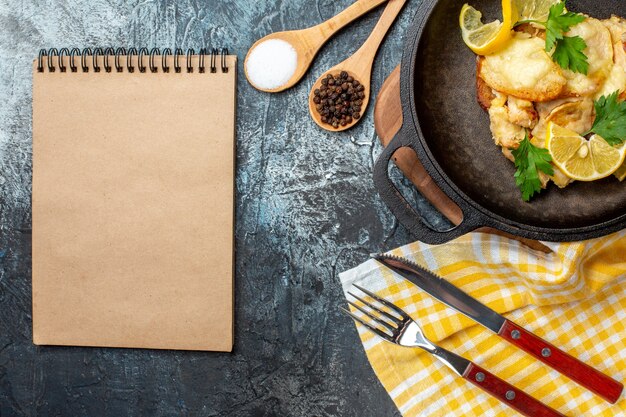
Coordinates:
583 374
507 393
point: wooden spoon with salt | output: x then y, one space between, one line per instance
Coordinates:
307 42
359 65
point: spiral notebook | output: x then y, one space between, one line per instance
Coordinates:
133 198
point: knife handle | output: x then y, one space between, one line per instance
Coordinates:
577 371
507 393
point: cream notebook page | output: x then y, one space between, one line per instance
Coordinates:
133 194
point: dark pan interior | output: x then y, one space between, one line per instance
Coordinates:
456 130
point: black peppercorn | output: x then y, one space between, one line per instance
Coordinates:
339 99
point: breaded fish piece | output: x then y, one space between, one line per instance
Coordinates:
575 114
599 53
617 78
523 69
505 133
559 178
522 112
484 93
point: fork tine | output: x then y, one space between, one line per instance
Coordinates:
378 320
369 326
383 302
373 307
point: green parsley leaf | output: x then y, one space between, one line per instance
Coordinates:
569 54
559 22
529 160
610 121
567 51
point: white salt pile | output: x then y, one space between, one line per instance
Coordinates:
271 64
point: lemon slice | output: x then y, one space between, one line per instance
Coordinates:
538 10
582 159
621 172
485 39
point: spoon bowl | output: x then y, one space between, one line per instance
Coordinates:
304 50
362 76
359 65
308 42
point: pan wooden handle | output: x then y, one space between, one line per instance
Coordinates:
388 121
401 208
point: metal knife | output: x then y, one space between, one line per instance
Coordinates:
444 291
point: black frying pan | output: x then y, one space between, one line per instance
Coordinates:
450 133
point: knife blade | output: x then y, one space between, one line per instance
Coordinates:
443 291
454 297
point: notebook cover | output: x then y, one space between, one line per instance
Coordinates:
133 208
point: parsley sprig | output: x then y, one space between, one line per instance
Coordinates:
567 51
529 160
610 121
568 54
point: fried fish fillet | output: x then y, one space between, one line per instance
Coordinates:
484 93
576 114
522 112
505 133
523 69
617 77
599 52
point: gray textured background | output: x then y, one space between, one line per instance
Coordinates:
306 210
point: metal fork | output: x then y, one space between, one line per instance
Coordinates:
392 324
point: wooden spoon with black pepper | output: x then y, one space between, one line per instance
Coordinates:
339 98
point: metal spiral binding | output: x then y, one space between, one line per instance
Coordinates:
134 59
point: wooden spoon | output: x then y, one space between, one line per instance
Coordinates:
307 42
359 65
